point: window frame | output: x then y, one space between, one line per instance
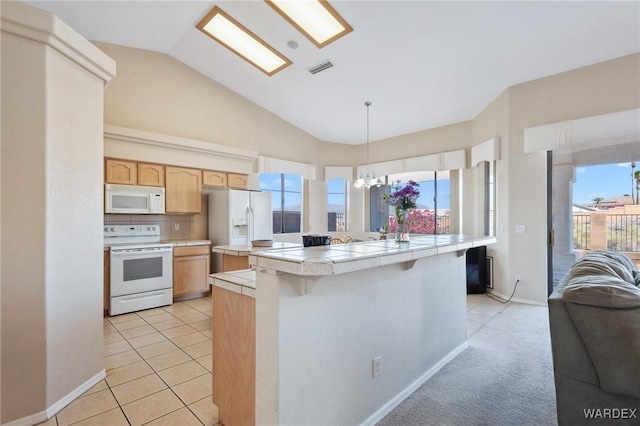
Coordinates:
385 189
282 193
347 209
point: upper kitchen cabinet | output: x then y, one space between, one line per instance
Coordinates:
211 178
182 190
150 174
120 172
238 181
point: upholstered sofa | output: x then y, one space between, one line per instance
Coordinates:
594 318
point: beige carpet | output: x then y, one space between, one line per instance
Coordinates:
505 377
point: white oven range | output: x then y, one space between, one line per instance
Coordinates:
141 268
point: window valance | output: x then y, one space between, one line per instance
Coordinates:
277 165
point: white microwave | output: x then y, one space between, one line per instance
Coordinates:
131 199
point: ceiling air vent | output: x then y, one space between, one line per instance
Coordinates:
315 69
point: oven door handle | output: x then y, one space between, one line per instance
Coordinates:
129 252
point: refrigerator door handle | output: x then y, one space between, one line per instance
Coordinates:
249 224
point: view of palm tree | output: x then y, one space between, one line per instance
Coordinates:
610 219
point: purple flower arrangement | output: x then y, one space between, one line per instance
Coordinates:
403 196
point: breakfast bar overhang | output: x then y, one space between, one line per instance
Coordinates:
325 315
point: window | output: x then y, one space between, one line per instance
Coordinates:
489 198
432 215
286 200
337 205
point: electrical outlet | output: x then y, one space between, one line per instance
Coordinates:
377 366
518 279
176 226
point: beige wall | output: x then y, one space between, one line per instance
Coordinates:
52 129
493 121
603 88
23 310
156 93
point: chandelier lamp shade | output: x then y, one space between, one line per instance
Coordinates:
367 179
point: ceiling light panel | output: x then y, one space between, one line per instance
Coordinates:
236 37
316 19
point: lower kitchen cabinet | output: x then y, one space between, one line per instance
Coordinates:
232 262
234 356
190 270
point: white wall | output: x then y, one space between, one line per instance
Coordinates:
52 93
73 226
412 318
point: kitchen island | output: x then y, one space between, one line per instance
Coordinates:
345 332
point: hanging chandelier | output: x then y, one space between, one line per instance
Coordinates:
368 179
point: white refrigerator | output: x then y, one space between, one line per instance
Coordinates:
237 217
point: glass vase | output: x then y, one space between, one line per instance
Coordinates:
402 226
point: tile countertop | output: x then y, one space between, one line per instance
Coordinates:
185 243
242 281
245 250
343 258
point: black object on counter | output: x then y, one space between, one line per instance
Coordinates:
316 240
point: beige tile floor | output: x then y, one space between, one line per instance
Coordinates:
158 365
480 309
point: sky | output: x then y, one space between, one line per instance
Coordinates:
606 181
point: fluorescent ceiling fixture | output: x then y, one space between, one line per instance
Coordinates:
316 19
237 38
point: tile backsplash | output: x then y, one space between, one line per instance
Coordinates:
172 227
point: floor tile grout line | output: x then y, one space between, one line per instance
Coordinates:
170 387
195 415
153 371
163 381
94 415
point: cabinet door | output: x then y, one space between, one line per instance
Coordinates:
190 274
211 178
150 174
182 190
235 180
234 357
120 172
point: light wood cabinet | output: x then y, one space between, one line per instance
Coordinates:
235 180
190 270
182 190
120 172
182 185
105 284
211 178
150 174
231 262
234 356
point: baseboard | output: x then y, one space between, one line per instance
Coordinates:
517 299
404 394
45 415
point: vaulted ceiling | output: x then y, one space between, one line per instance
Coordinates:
422 64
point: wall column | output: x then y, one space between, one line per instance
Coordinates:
52 214
564 175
